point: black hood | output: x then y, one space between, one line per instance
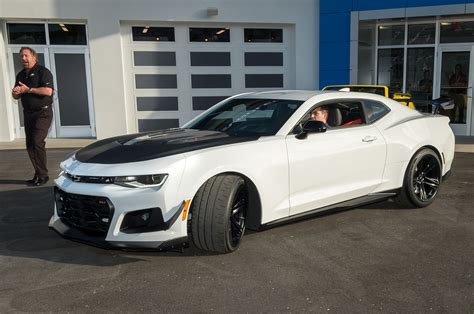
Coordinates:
151 145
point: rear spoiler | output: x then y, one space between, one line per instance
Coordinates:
442 103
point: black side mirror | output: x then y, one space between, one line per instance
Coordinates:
311 126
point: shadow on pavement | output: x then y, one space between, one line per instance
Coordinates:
12 181
24 232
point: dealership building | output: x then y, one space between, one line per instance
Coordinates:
128 66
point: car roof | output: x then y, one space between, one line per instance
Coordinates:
302 95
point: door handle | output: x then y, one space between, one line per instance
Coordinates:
369 138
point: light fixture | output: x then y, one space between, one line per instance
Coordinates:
212 11
63 27
445 23
221 31
145 29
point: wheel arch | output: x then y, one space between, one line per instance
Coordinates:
254 211
433 148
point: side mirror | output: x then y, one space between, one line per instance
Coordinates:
311 126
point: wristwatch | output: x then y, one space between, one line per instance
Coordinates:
29 90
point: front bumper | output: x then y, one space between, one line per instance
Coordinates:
96 214
77 235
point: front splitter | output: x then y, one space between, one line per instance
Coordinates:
77 235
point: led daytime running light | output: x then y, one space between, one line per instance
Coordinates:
142 181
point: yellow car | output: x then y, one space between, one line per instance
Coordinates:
403 98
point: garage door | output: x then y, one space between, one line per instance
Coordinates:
174 72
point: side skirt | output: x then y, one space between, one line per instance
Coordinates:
364 200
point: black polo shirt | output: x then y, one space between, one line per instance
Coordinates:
38 76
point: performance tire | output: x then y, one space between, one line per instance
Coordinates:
218 214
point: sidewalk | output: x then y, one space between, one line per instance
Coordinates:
464 144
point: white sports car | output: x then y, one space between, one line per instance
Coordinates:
251 161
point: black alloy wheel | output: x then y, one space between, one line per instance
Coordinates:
426 178
237 216
422 180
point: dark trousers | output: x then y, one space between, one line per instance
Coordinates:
37 125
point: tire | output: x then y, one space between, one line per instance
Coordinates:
218 214
422 180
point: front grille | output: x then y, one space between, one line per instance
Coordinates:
91 214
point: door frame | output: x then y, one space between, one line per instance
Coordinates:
73 131
458 129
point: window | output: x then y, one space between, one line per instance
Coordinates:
390 35
31 34
374 110
211 81
264 59
147 33
248 117
390 68
263 80
345 113
209 34
210 58
420 34
263 35
457 32
154 58
419 81
67 34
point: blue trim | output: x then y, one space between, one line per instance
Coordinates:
335 29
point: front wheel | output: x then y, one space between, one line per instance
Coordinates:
218 214
422 179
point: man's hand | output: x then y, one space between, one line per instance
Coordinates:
20 89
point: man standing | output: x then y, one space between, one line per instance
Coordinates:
34 85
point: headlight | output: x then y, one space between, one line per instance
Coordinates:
144 181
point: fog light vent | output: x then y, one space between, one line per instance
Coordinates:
145 220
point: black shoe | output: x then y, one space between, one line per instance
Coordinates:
41 181
32 181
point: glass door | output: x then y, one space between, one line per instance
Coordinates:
73 105
454 81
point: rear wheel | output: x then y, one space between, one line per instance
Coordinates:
422 180
218 214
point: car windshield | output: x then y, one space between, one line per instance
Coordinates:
247 117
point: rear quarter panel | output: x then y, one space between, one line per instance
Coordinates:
405 134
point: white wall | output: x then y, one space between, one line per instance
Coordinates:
103 18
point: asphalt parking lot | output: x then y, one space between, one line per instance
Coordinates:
377 258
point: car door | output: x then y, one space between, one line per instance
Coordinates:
341 164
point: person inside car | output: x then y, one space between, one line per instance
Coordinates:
320 114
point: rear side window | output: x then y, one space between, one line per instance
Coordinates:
374 110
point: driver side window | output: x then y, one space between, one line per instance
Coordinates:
337 114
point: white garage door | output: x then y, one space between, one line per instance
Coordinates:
174 72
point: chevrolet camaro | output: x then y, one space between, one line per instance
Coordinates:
252 161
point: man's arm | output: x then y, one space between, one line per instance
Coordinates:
43 91
22 89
